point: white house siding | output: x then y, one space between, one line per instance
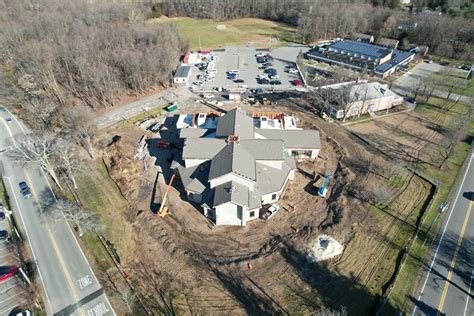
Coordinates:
196 197
193 162
232 177
277 164
255 214
361 107
231 214
296 151
268 198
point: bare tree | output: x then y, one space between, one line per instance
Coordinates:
78 126
38 150
120 288
73 213
68 162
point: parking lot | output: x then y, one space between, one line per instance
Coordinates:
13 292
243 60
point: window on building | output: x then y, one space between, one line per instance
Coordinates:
274 196
252 214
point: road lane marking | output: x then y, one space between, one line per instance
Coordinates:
66 223
444 231
55 245
98 310
84 281
14 117
29 241
468 293
453 261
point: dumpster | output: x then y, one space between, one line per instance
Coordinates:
172 107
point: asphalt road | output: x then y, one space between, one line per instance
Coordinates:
69 284
446 288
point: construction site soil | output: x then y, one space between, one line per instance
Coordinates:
183 264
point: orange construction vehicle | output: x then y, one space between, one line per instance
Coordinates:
163 211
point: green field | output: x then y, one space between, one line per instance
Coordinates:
454 80
218 34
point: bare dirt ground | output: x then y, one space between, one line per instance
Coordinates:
182 264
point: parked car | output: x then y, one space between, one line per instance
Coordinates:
24 189
262 67
268 64
208 96
263 81
239 81
271 211
410 100
8 120
8 272
298 83
3 234
275 77
293 71
275 82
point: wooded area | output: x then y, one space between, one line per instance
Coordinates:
56 53
323 19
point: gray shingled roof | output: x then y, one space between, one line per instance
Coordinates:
194 178
233 158
271 179
293 139
192 132
236 193
235 122
202 148
265 149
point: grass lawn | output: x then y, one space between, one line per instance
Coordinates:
101 196
139 117
454 80
410 274
236 32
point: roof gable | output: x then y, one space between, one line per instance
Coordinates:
233 158
235 122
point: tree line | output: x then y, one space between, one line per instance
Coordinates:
60 52
323 19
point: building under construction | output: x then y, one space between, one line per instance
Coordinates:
234 163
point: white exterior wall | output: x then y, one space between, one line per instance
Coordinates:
232 177
196 197
267 198
361 107
314 152
277 164
255 214
231 214
193 162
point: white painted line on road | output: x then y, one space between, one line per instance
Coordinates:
31 247
8 289
468 293
9 308
10 297
14 117
442 235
